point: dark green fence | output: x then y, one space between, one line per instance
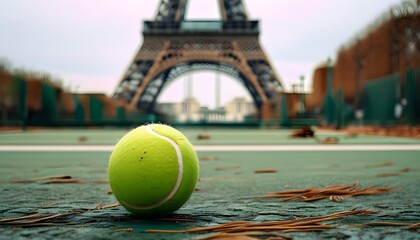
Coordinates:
49 102
379 99
96 107
79 112
412 95
23 106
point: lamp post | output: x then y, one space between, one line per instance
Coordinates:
302 94
329 102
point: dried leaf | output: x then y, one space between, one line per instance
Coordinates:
209 158
269 170
387 174
228 167
384 164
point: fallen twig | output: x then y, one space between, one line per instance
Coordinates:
335 193
391 224
176 219
42 179
123 230
38 220
110 206
64 179
54 181
387 174
247 236
19 218
42 219
300 224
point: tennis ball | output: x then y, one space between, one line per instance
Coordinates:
153 170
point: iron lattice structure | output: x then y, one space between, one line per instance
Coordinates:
173 46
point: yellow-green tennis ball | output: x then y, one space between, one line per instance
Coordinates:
153 170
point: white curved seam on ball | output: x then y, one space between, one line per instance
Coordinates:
178 180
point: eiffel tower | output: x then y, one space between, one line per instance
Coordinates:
173 46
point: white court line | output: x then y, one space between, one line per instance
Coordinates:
213 148
309 148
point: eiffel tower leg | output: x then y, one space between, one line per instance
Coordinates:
261 73
141 71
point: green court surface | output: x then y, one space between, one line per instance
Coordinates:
226 191
217 137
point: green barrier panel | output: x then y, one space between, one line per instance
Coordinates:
79 113
329 109
120 116
329 105
9 100
96 109
339 123
23 105
141 118
380 97
49 102
412 86
284 115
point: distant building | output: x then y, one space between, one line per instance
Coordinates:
189 110
213 115
238 108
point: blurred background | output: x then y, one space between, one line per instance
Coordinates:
333 64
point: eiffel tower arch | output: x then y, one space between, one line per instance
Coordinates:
173 46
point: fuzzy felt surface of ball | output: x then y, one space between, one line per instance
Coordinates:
153 170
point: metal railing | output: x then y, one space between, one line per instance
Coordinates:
169 27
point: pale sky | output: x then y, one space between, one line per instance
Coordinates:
90 43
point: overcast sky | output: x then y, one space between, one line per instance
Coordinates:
89 43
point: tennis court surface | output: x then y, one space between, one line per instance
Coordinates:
237 167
